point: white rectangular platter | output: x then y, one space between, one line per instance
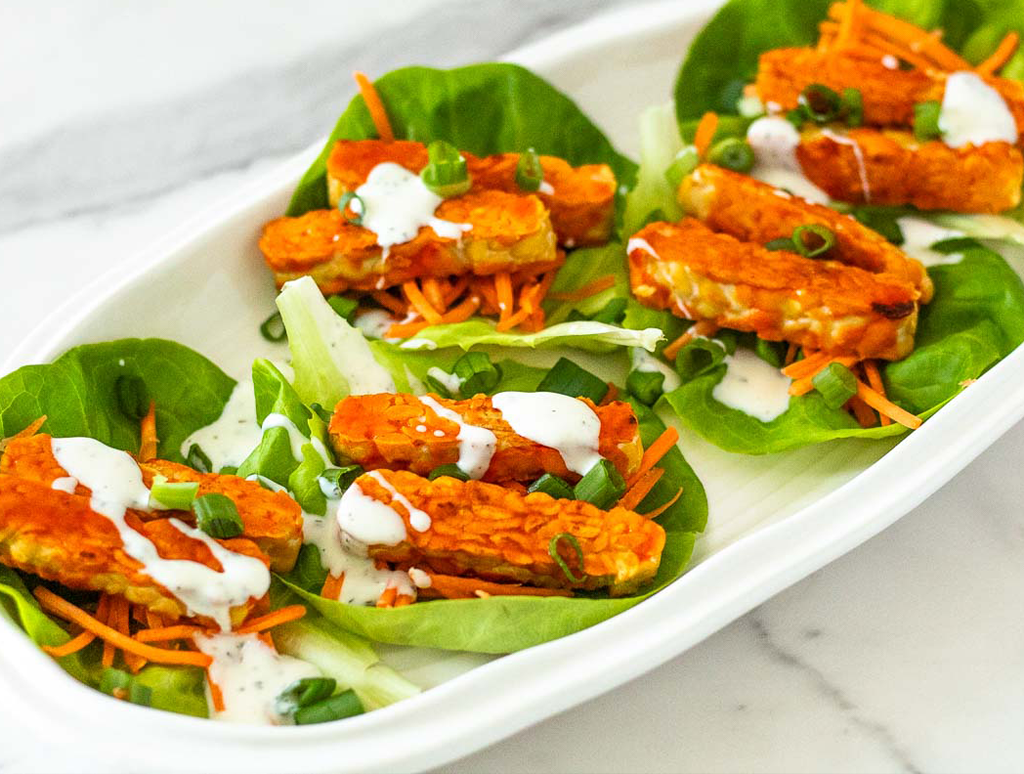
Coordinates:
773 520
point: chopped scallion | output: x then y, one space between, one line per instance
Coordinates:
567 378
732 153
438 387
602 486
217 515
529 172
646 386
836 384
926 120
684 163
852 109
451 470
273 328
798 116
344 306
132 397
352 208
812 240
476 373
304 693
197 459
176 496
553 486
782 243
345 705
821 103
445 174
575 545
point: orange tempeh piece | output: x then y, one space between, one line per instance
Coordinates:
780 296
508 233
503 536
753 211
383 431
900 170
581 199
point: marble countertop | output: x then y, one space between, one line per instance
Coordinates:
905 655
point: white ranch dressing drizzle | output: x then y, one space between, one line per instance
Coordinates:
753 386
116 483
398 204
476 444
65 484
641 244
546 188
367 520
973 113
918 237
374 323
235 433
645 362
420 578
567 425
418 520
296 438
250 676
774 141
450 382
858 155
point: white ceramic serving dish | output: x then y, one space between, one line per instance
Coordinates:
773 519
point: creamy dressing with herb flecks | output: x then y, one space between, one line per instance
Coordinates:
418 520
567 425
973 113
296 438
918 237
398 204
753 386
233 436
645 362
774 141
251 676
367 520
375 323
116 484
476 444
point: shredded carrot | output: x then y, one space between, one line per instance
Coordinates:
387 599
653 453
463 311
791 351
1000 56
880 43
272 619
120 619
103 616
61 607
455 290
389 302
216 694
875 382
147 434
434 292
31 430
913 38
811 364
590 289
848 27
73 645
267 638
154 620
374 106
419 302
332 586
706 129
886 407
700 328
457 587
638 491
166 633
662 508
862 412
503 289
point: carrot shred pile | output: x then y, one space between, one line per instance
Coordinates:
375 106
639 490
652 455
706 128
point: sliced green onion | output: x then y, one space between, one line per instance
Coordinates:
852 110
437 386
698 357
272 459
575 544
798 116
132 397
602 486
304 693
336 481
217 516
732 153
529 172
321 412
451 470
771 352
646 386
477 374
553 486
567 378
782 243
612 312
836 384
273 328
228 470
197 459
345 206
926 120
812 239
684 162
822 104
445 173
309 572
344 306
345 705
177 496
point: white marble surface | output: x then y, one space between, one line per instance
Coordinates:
119 119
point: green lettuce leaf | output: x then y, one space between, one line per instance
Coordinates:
77 393
975 318
507 624
584 334
483 109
